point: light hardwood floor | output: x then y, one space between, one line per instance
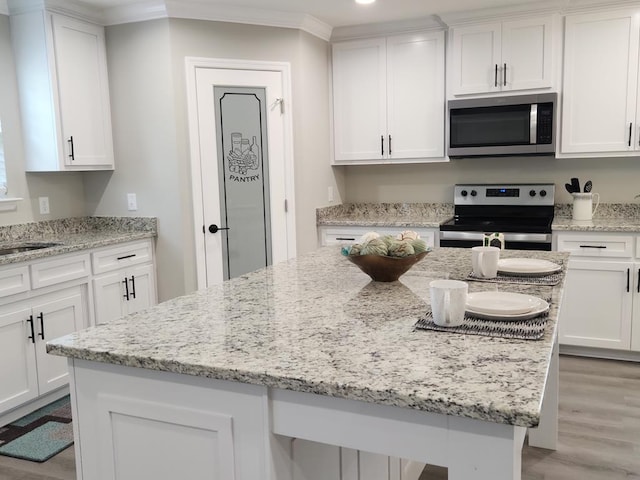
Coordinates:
599 431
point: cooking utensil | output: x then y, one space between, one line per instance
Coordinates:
575 184
569 187
588 186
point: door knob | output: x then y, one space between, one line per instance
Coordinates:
213 228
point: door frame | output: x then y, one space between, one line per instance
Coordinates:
192 64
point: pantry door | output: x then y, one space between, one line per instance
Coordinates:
242 169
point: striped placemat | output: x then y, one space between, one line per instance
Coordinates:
549 280
531 329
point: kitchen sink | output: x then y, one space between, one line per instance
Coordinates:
25 247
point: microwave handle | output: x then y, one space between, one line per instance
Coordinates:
533 124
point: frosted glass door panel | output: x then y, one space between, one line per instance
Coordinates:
244 179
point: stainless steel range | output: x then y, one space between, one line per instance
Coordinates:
522 212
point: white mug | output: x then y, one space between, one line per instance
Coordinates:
583 208
448 302
485 261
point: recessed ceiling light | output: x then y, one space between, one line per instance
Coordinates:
364 2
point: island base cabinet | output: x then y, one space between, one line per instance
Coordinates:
138 424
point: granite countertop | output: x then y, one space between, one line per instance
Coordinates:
610 217
73 234
427 215
318 324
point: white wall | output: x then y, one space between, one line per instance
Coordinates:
616 179
144 135
65 190
151 137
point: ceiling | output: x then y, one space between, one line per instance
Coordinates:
336 13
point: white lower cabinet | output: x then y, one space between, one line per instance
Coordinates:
601 303
124 280
123 292
26 369
597 305
49 298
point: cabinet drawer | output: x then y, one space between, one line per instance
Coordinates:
62 269
14 280
122 256
350 235
618 246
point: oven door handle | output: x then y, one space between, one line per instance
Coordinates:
508 237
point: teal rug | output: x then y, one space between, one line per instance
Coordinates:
40 435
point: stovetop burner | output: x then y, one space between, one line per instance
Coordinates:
523 212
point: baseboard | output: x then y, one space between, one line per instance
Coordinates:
604 353
32 406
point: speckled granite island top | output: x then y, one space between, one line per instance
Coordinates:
318 324
73 234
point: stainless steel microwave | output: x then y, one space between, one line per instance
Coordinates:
502 126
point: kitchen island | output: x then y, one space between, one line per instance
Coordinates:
219 382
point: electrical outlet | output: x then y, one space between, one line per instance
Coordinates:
132 201
330 194
44 205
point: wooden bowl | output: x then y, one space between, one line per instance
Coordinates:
385 269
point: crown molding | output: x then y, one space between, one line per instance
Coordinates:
578 6
72 8
137 12
499 13
218 12
387 28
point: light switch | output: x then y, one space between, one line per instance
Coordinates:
44 205
132 201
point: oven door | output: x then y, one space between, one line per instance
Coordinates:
512 241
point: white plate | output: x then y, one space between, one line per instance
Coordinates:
527 266
501 303
504 299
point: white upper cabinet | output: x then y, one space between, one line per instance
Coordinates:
599 108
502 56
388 99
64 92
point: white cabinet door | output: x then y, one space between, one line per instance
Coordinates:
635 319
415 85
359 99
476 59
600 78
18 377
63 87
124 291
142 288
84 91
527 57
502 56
56 315
597 304
108 295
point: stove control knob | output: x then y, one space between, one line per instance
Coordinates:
473 193
463 193
543 193
532 193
